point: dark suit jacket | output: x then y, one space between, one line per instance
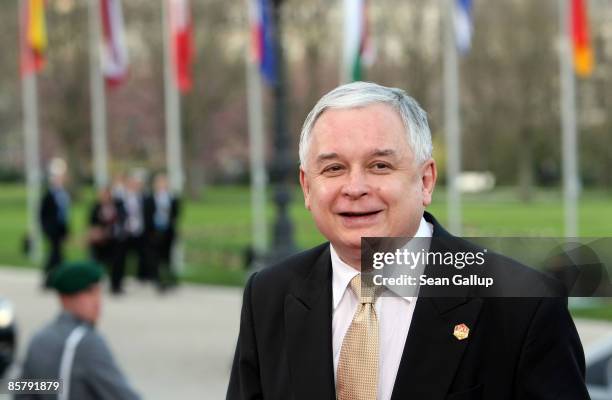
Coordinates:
53 227
518 348
149 210
114 227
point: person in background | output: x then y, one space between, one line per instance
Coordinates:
54 216
133 202
70 348
106 234
118 187
161 214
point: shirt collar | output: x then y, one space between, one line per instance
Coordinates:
425 229
342 273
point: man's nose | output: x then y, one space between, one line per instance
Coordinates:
356 185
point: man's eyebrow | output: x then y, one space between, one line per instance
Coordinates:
383 153
326 157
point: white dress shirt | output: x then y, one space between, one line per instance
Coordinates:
394 315
133 206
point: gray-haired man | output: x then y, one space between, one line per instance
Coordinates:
308 332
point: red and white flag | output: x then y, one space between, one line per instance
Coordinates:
181 43
114 49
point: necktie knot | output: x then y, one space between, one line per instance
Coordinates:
367 293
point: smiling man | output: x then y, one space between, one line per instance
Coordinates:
361 178
310 330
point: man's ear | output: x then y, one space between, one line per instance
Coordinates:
429 174
305 188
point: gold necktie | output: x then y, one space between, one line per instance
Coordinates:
357 377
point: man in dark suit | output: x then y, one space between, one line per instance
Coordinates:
133 199
54 217
307 329
161 211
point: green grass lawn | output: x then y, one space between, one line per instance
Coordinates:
216 230
600 310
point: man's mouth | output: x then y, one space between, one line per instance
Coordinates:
359 213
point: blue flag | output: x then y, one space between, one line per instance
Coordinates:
463 25
267 52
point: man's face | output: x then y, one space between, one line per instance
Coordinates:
361 179
105 196
161 184
93 304
58 180
134 185
87 304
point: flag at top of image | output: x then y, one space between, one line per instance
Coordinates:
358 50
262 38
181 42
114 48
583 52
463 25
33 36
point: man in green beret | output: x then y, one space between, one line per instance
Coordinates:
69 348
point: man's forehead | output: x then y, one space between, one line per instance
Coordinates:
327 142
334 123
376 108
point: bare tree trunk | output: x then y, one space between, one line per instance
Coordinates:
525 166
76 169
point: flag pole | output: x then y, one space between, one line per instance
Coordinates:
32 155
98 98
172 107
452 122
31 151
352 35
259 228
173 127
345 76
571 185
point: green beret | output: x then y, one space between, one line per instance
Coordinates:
76 276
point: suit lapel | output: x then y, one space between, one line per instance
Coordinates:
308 317
432 353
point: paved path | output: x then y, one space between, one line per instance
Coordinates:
179 345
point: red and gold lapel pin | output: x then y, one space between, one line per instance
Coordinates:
461 331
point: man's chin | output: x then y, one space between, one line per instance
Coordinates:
353 245
351 241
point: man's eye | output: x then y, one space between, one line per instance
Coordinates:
333 168
380 166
